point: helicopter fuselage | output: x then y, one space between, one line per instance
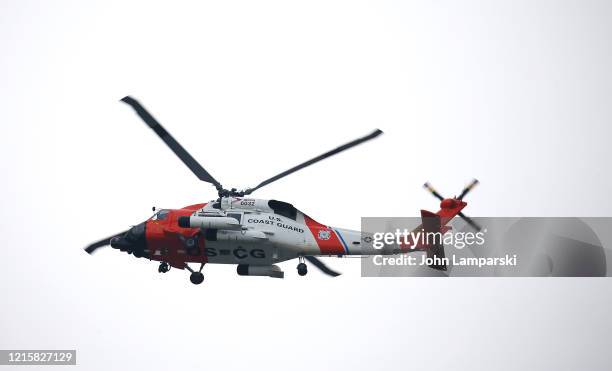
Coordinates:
266 232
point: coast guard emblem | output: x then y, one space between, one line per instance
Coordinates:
324 235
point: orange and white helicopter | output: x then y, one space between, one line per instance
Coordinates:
252 233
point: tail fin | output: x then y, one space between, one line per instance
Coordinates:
435 247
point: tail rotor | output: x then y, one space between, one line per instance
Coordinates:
463 193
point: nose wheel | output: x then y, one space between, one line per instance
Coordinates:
163 267
196 277
302 268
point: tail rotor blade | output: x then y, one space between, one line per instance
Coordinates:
433 191
467 189
322 267
469 221
103 242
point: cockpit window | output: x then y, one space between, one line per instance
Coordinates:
283 208
161 215
236 216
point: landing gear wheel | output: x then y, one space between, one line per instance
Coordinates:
163 267
302 269
196 278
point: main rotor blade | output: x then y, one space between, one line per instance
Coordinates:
344 147
191 163
324 268
103 242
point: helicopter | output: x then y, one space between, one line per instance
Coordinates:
255 234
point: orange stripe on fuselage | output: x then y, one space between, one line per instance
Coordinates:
326 237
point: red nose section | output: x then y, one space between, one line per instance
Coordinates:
170 243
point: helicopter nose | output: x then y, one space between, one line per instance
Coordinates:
134 241
120 243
